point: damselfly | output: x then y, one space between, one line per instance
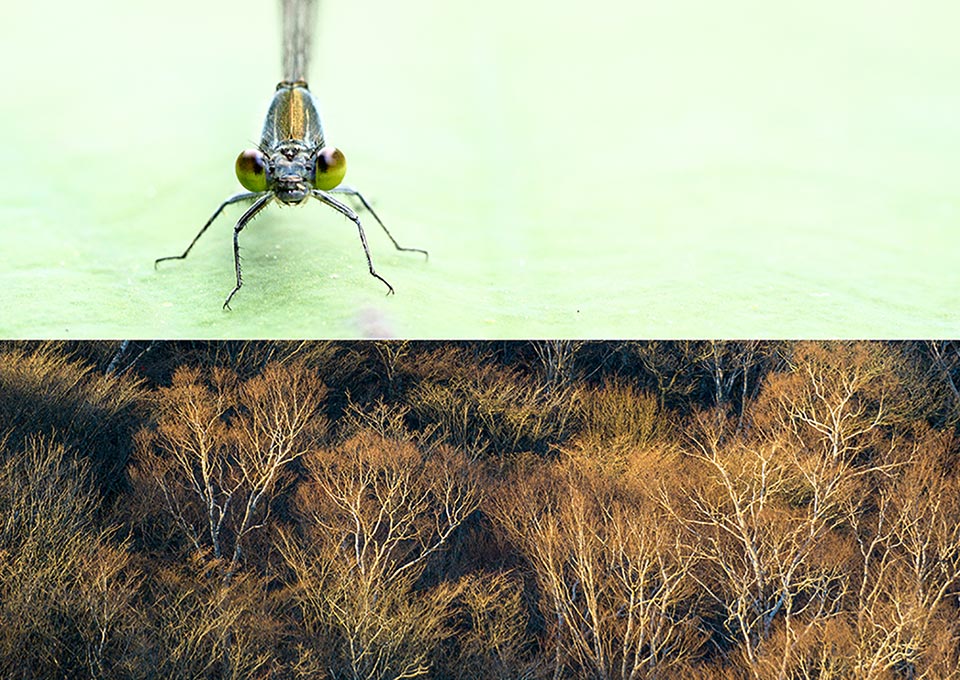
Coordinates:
293 162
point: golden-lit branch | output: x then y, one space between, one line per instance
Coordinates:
221 446
615 581
377 512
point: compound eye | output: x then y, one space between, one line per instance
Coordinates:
331 167
252 170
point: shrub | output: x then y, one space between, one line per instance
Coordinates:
490 410
65 586
93 415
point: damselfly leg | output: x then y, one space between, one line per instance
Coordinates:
352 192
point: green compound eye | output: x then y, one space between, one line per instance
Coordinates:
331 167
252 170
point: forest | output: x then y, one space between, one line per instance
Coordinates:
533 510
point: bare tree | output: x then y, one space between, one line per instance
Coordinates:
495 644
903 600
946 357
221 448
615 582
108 590
671 366
760 515
556 360
374 514
836 396
392 354
201 626
65 587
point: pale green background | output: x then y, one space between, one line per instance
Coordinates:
603 169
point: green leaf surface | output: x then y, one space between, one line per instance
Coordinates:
602 170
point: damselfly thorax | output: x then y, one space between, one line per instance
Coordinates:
292 159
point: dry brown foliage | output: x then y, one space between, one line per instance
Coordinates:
622 432
489 410
691 510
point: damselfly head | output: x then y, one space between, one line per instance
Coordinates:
291 171
289 175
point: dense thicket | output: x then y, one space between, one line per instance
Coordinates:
548 509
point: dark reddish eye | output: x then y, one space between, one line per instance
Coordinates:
252 170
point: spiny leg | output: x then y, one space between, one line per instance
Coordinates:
230 201
241 223
324 197
350 191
